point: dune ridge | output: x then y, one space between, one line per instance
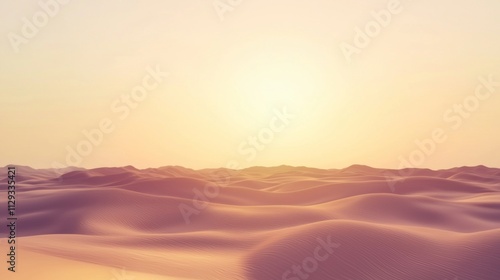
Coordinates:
260 223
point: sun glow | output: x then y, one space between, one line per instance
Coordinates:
288 81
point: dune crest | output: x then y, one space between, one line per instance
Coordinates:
259 223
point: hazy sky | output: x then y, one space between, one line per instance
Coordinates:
252 82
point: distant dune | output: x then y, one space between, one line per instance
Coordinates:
277 223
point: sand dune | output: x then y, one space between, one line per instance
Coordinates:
296 223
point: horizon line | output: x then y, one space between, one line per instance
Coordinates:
255 166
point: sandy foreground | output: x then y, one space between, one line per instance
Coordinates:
294 223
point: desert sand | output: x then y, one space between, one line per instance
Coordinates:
357 223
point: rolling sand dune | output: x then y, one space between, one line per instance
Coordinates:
295 223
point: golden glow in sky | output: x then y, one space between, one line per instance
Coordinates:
90 87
